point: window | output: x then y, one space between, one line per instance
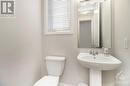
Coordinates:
58 16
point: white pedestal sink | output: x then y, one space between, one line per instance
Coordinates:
97 65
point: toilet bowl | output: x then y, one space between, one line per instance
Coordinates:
55 67
48 81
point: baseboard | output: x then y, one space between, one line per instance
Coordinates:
63 84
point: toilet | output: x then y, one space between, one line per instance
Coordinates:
55 67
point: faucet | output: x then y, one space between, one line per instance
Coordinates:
93 52
106 51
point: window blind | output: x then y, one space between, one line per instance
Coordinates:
59 15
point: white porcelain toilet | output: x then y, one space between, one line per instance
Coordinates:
55 67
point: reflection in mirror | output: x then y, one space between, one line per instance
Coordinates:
106 23
94 24
85 33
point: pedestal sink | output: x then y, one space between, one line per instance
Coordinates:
97 64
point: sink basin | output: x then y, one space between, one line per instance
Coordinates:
96 65
100 62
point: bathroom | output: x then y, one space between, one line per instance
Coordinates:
24 46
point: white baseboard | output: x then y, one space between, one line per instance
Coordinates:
63 84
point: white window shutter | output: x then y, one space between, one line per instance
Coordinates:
59 15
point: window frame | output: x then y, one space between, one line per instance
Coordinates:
45 13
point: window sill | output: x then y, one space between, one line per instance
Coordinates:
58 33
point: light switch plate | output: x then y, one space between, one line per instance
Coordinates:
126 43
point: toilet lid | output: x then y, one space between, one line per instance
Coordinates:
48 81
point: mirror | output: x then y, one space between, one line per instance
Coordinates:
94 24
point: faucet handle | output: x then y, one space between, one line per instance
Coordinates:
106 50
96 52
90 51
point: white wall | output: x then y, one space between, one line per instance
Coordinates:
121 31
20 45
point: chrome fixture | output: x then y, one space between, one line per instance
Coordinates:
93 52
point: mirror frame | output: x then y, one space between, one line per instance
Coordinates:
78 29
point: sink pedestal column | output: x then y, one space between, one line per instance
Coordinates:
95 77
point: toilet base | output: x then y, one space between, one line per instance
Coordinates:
48 81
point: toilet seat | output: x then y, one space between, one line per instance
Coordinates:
48 81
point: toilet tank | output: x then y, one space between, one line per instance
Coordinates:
55 65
